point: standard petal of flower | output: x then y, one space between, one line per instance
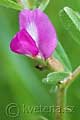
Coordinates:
43 30
22 43
47 34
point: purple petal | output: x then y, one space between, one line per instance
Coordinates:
22 43
41 30
27 21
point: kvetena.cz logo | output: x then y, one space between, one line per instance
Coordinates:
14 110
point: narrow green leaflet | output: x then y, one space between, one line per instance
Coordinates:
61 55
71 21
43 4
10 4
54 77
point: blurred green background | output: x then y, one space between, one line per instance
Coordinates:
21 83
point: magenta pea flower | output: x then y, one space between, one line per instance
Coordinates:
37 35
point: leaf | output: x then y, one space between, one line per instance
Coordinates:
10 4
43 4
54 77
71 22
62 56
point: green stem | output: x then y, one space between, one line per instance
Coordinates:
67 81
61 92
60 102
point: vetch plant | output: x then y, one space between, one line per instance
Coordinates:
37 39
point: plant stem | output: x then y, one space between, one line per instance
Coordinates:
61 92
67 81
60 102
